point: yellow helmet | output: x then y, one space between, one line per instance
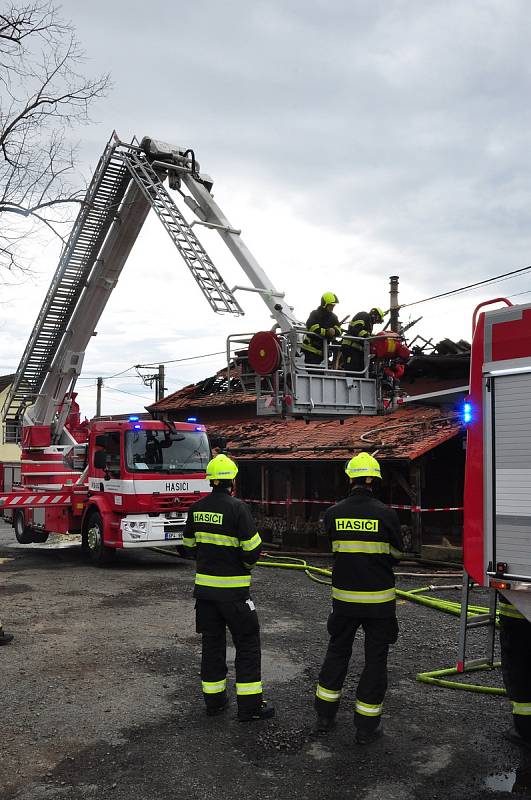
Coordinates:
378 312
221 468
329 299
363 466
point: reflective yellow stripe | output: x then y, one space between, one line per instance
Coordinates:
311 349
508 610
216 538
352 345
315 328
250 544
249 688
395 553
213 687
523 709
330 695
363 597
340 546
367 709
223 581
188 542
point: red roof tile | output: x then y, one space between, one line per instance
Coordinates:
407 433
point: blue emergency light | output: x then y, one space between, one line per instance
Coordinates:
467 413
133 419
191 419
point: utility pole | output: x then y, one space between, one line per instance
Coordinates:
394 307
160 388
98 396
156 378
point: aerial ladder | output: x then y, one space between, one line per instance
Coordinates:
125 483
124 188
128 182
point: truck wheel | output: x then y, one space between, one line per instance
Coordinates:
38 537
92 541
23 532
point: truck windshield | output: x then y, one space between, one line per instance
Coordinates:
166 451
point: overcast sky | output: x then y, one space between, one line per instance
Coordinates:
350 141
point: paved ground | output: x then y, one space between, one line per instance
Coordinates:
100 695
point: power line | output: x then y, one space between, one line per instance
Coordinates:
151 364
494 279
176 360
122 391
518 294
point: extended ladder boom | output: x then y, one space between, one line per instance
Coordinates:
182 167
125 186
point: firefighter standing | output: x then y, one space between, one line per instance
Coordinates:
222 533
515 641
360 325
322 324
366 542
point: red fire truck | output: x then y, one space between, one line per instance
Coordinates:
120 484
497 518
128 483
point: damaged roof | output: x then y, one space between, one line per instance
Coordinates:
211 392
405 434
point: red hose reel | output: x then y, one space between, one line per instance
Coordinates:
264 353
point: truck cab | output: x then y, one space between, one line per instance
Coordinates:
142 476
121 484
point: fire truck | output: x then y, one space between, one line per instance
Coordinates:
124 484
497 515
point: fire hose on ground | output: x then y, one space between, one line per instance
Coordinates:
435 677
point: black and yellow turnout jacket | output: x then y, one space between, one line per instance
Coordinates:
319 321
366 542
221 532
360 325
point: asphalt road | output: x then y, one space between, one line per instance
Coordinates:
100 695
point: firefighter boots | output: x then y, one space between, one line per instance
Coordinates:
324 724
368 737
213 711
262 712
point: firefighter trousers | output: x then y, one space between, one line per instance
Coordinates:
515 641
353 360
212 620
372 685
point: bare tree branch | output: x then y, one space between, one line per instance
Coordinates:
43 96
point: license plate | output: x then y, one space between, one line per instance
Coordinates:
172 535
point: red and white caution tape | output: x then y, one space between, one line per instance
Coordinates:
293 501
33 500
431 508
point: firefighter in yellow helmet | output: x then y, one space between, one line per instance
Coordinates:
361 326
322 324
221 533
366 542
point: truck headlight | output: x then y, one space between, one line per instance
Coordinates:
132 526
